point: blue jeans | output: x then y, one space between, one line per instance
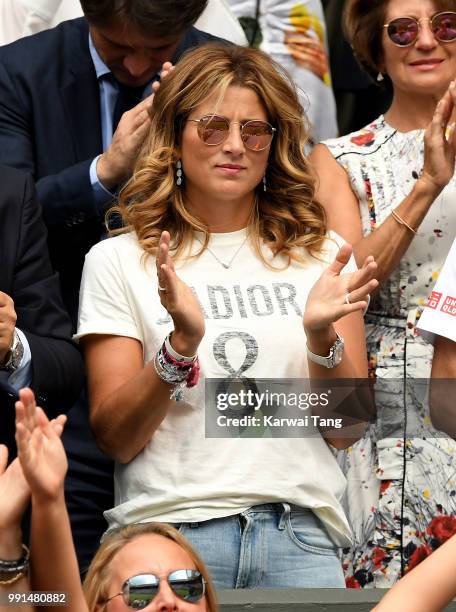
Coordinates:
267 546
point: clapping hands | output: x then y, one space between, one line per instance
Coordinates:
39 447
440 143
180 301
40 466
336 295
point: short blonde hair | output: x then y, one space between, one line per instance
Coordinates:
97 580
286 217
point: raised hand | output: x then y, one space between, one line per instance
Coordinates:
335 295
180 301
14 492
440 143
40 449
116 164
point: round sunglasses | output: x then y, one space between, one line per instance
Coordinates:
139 591
213 130
404 31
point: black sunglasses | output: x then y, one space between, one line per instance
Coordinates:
139 591
404 31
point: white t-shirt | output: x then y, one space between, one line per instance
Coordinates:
439 316
254 328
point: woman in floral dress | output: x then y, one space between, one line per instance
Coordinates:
390 189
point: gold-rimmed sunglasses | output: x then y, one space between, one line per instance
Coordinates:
214 129
403 31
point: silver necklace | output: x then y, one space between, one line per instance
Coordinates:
222 263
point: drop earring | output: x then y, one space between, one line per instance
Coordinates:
380 77
265 188
179 173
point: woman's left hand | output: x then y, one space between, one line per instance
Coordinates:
336 295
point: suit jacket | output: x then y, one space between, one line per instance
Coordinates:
27 277
50 126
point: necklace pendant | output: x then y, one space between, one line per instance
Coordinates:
226 266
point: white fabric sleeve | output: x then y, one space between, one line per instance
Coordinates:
12 16
104 307
439 315
218 19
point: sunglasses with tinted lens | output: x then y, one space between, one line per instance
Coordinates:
404 31
213 130
139 591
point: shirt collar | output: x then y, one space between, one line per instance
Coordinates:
100 67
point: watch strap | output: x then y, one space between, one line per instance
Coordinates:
334 356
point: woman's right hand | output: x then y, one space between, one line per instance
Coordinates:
180 301
39 448
440 144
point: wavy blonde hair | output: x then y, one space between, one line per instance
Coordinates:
286 218
98 578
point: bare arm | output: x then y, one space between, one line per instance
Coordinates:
327 312
441 394
128 400
14 495
390 240
43 460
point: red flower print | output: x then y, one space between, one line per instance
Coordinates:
384 486
442 528
419 555
352 583
377 556
363 140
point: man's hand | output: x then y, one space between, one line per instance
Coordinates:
7 324
116 164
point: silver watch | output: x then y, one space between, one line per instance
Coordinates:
14 355
336 352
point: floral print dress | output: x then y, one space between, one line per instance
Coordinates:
401 476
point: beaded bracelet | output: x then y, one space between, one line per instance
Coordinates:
12 571
176 370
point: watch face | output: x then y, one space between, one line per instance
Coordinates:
17 352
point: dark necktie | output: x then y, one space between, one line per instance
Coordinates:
128 98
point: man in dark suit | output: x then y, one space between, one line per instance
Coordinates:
62 93
35 344
69 114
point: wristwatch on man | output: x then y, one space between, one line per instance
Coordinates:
336 352
14 356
